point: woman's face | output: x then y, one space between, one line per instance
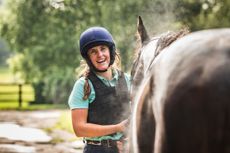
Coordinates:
100 57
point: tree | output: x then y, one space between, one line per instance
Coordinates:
203 14
4 52
44 35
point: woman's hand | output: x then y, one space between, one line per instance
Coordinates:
123 125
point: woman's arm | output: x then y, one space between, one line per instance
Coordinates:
84 129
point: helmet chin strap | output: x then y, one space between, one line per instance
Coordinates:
96 70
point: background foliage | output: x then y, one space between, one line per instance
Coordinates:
43 35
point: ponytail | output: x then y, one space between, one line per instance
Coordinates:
87 89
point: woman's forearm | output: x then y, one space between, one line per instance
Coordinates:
94 130
84 129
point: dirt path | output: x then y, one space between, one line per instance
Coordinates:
56 141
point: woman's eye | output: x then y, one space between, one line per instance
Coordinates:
103 48
92 52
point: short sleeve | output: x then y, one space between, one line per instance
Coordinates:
77 93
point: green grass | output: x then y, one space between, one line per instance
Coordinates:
28 107
65 122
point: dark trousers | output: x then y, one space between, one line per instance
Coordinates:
99 149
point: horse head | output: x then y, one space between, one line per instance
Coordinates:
148 50
142 60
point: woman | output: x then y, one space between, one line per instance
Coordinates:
99 100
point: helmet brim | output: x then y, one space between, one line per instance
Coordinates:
92 44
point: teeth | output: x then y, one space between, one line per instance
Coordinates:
101 61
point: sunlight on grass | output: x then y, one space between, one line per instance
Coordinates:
6 75
8 105
65 122
27 106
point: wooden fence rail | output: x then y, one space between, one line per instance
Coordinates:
19 93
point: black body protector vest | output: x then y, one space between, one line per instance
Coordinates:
111 104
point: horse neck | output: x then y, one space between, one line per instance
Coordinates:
148 54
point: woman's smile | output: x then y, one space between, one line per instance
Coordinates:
100 57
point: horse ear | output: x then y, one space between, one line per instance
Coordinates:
142 31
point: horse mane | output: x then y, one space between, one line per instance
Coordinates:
164 41
168 38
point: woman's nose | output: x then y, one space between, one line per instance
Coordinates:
99 53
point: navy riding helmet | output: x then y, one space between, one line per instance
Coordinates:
95 36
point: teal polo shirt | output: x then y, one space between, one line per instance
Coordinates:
76 97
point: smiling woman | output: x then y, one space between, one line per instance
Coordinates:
99 101
99 55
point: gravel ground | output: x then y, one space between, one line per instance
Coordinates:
34 121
